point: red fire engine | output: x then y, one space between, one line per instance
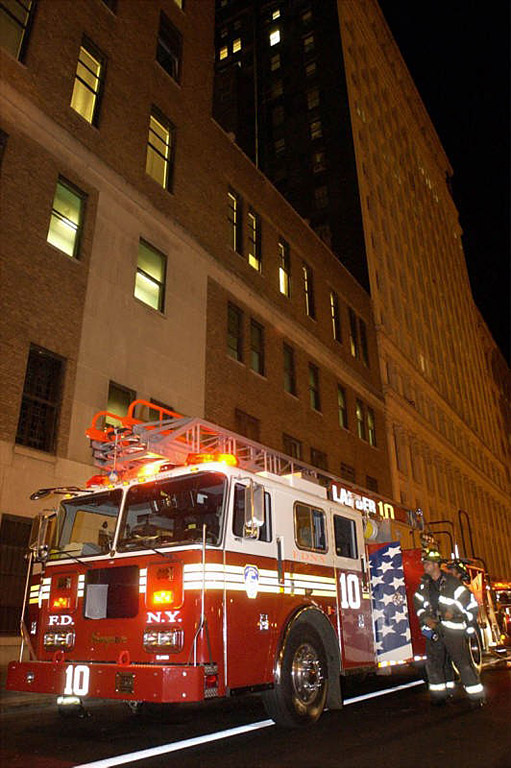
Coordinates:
201 564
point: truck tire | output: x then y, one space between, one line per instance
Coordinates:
299 695
475 650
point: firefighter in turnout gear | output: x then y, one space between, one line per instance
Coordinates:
445 608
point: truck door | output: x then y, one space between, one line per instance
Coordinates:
353 592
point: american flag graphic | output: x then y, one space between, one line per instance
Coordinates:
390 611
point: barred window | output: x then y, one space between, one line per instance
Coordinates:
41 400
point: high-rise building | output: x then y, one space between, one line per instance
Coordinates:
144 255
307 89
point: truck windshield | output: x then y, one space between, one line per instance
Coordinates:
86 525
173 511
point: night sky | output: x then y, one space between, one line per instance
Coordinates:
457 52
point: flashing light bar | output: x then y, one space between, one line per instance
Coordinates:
229 459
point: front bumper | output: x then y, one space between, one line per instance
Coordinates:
126 682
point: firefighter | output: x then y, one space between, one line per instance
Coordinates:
445 607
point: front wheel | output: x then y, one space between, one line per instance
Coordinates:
298 697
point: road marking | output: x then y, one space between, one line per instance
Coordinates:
177 746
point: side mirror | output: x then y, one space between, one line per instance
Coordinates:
40 535
254 509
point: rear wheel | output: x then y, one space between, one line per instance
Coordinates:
475 650
298 697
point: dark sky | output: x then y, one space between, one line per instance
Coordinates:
457 52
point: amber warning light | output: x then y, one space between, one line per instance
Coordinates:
222 458
163 597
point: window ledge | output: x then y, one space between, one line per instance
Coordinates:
35 453
259 375
150 309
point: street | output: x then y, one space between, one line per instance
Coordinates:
400 728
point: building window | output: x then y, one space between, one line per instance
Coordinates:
363 341
275 62
372 483
274 36
277 115
313 98
319 459
277 89
119 400
308 44
257 347
112 4
310 529
160 149
89 80
235 332
150 278
236 45
371 427
316 129
66 220
254 240
279 146
16 17
223 53
347 472
169 48
289 370
342 408
40 404
14 540
361 424
284 269
292 447
315 400
335 316
353 333
310 68
308 287
247 425
321 198
234 217
318 161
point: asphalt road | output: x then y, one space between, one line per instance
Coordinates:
398 730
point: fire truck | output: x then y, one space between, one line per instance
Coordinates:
200 564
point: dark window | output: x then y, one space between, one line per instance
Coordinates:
169 48
315 399
347 472
289 370
372 483
353 333
16 18
112 593
89 81
3 143
292 446
361 424
119 400
14 535
40 405
150 277
335 316
345 537
235 220
371 427
257 347
247 425
235 332
310 530
66 222
342 407
308 287
161 144
112 4
363 341
238 522
319 459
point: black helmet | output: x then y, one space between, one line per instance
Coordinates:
431 556
460 569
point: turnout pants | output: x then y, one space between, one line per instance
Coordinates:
451 645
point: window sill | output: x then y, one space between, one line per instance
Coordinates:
259 375
35 453
153 311
72 259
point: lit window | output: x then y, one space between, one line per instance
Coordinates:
308 287
335 316
150 278
289 370
275 15
315 400
254 241
361 425
88 85
274 36
308 43
235 332
342 407
371 427
160 148
353 334
66 218
119 400
257 347
310 69
316 129
169 48
224 52
40 404
16 18
284 269
235 220
236 45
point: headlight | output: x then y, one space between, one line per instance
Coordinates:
170 639
59 640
